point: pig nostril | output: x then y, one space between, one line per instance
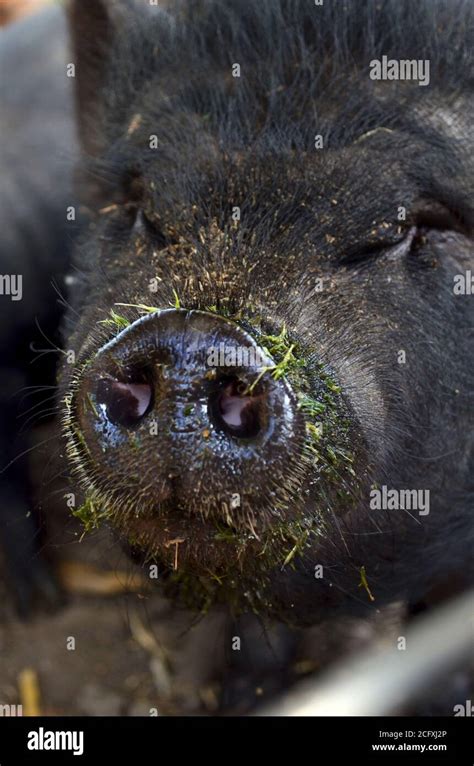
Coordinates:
125 403
234 412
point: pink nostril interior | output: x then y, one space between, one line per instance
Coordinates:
126 403
232 408
236 414
141 392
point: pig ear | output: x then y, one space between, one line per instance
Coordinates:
92 31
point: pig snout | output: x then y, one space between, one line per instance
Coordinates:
180 415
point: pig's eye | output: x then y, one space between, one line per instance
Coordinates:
364 252
424 217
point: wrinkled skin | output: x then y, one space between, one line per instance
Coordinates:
320 251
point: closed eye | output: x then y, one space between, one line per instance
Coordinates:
389 249
426 216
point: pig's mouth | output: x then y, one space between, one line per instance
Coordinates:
218 471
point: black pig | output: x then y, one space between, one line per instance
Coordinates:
268 389
256 188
